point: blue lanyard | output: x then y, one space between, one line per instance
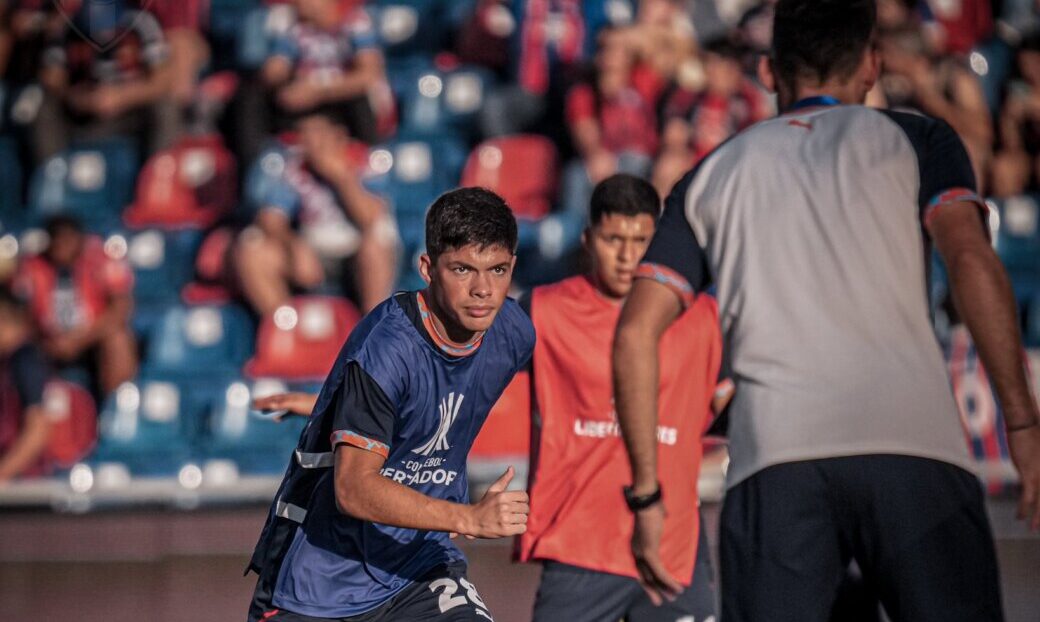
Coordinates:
811 102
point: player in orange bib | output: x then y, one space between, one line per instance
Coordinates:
580 524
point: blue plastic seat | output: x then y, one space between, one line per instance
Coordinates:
433 102
1018 242
163 263
225 31
410 28
92 181
1032 331
195 343
148 426
256 443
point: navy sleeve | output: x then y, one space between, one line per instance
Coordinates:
945 168
675 257
362 415
30 375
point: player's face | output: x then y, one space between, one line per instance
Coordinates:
468 286
616 244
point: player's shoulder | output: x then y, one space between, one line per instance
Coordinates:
383 331
567 288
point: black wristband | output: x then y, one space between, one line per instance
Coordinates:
637 503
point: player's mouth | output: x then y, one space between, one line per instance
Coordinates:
479 312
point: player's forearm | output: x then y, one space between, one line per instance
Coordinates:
635 394
374 498
985 301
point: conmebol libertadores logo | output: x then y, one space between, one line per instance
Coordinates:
102 23
449 410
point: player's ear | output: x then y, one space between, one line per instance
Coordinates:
765 73
426 268
870 69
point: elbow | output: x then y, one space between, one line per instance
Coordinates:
348 501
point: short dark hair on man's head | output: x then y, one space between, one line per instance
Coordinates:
820 39
623 194
469 216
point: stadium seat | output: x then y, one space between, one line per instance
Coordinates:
410 28
199 341
148 427
73 415
1018 241
91 181
256 443
433 101
225 29
410 172
1032 332
190 185
210 270
301 340
529 186
260 26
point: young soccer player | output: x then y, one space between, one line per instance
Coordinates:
360 528
579 523
844 436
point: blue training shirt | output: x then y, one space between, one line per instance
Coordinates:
394 392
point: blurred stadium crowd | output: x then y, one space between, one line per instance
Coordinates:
200 197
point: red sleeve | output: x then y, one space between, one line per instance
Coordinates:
581 104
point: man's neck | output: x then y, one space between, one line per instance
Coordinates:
845 93
597 286
449 332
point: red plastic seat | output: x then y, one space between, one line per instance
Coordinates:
522 169
73 414
190 185
507 432
301 340
210 286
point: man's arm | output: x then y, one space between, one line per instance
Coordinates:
649 311
365 494
984 299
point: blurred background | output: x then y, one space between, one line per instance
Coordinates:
199 199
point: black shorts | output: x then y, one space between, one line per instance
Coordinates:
572 594
916 527
443 595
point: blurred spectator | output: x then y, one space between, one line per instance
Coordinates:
696 120
1016 166
483 36
915 78
80 298
26 26
25 428
957 26
181 21
107 76
551 39
329 58
313 219
662 36
612 120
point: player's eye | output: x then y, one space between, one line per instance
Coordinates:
460 270
499 270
